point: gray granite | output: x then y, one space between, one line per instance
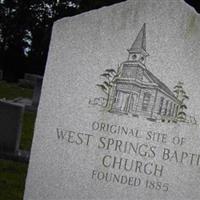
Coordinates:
11 115
37 90
112 124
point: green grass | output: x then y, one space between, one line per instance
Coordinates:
11 91
27 130
13 174
12 180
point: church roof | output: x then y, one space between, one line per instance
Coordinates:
160 83
139 45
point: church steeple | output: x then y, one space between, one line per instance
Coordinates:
138 52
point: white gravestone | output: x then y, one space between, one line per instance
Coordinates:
117 124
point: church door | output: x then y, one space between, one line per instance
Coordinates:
122 101
133 103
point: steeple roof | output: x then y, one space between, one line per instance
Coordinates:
139 45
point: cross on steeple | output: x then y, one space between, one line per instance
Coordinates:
138 52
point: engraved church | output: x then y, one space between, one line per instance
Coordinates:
137 92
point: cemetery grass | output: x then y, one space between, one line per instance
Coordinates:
12 91
13 174
27 130
12 180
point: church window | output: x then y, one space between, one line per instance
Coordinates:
146 101
166 107
128 71
134 56
117 97
161 105
170 110
174 107
139 74
176 114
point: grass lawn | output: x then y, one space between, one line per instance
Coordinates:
12 180
13 174
11 91
27 130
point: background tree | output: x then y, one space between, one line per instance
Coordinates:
106 86
182 97
25 31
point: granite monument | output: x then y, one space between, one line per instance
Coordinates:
119 112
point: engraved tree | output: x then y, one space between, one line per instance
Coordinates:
182 97
109 75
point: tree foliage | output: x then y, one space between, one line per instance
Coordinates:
109 77
25 31
182 97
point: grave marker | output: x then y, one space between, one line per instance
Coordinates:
114 124
1 75
37 91
11 115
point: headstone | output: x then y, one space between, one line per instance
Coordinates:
11 115
25 83
37 91
112 123
26 102
31 77
1 75
28 76
29 80
37 86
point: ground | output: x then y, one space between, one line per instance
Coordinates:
13 174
